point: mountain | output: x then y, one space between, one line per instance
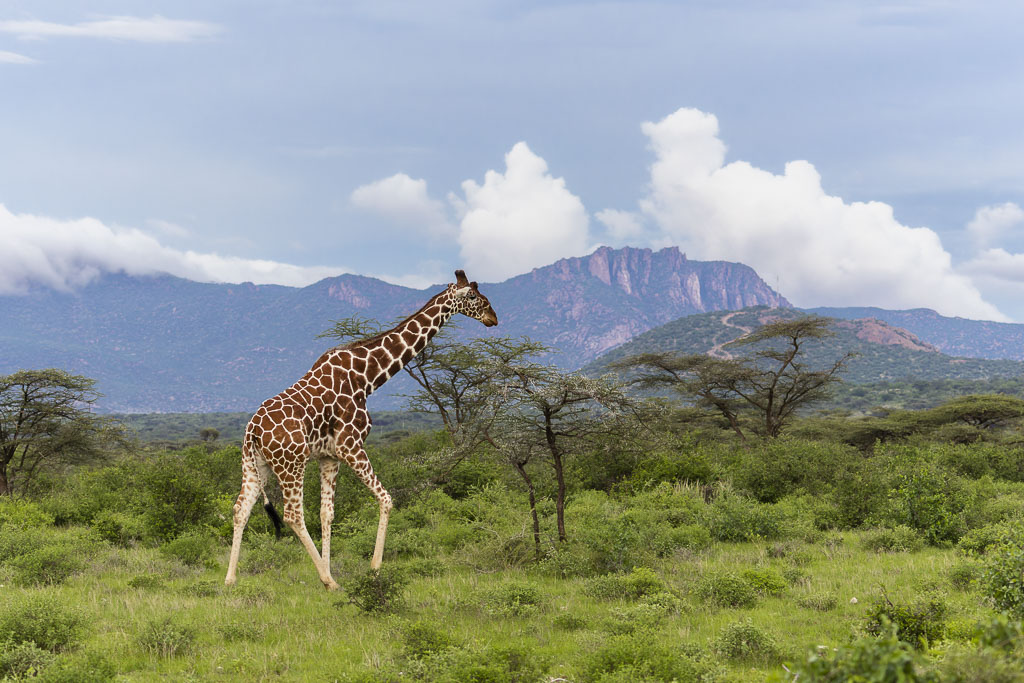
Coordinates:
954 336
164 344
884 352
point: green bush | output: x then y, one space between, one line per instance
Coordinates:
1002 577
41 556
978 665
734 518
821 602
232 631
978 541
23 513
569 622
194 548
899 539
376 591
639 583
86 667
641 656
263 553
181 490
41 619
742 640
120 528
422 639
146 582
727 590
964 576
885 659
918 623
926 498
23 660
765 580
166 637
513 599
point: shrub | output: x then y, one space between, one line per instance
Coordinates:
166 637
23 660
87 667
963 665
263 553
822 602
885 659
899 539
1001 578
376 591
46 556
422 639
765 581
193 548
734 518
121 529
569 622
179 494
926 498
513 599
145 582
637 584
918 623
41 619
743 640
978 541
23 513
203 589
642 657
964 575
727 590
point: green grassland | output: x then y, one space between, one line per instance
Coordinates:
690 559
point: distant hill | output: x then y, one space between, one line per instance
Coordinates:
954 336
164 344
885 353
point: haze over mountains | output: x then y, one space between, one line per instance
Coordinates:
164 344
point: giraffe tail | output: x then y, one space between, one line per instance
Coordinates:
274 517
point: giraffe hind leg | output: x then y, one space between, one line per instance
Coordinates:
252 486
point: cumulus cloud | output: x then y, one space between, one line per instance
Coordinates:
622 227
991 222
15 58
156 29
818 249
520 219
65 254
405 202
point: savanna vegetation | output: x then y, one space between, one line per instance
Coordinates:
552 527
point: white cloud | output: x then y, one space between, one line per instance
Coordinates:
65 254
15 58
156 29
622 227
404 201
991 222
520 219
819 249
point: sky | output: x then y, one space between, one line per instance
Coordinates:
855 153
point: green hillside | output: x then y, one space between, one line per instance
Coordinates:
894 356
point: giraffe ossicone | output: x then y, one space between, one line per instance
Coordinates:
323 416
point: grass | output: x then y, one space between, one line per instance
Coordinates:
283 625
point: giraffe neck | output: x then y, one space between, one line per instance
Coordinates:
395 348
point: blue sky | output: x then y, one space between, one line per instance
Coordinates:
854 153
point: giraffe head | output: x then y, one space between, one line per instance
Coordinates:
467 300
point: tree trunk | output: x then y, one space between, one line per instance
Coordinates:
5 488
521 468
560 497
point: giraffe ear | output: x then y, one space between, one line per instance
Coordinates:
473 285
460 278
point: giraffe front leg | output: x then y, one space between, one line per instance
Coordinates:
361 464
328 480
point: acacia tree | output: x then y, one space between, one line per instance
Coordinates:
772 382
45 422
560 413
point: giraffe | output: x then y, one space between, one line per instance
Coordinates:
323 416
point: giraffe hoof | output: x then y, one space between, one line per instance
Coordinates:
229 582
331 585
